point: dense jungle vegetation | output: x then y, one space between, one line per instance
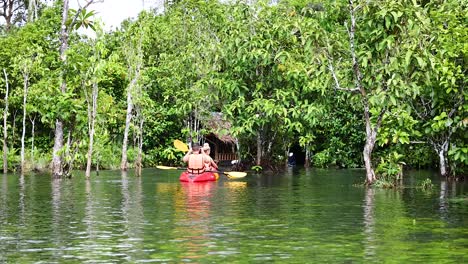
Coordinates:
374 84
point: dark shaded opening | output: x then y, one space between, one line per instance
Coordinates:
299 153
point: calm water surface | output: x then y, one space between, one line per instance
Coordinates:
296 217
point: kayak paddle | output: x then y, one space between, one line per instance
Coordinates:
230 174
179 145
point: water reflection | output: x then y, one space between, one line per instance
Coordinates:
322 218
194 222
133 217
369 223
3 197
57 217
21 206
90 220
443 202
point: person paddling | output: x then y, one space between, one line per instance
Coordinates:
195 159
210 165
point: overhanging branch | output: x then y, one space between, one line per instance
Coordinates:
337 83
90 2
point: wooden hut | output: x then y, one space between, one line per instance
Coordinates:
223 145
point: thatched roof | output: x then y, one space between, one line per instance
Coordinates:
219 127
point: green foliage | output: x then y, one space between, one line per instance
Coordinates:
257 168
266 68
390 168
426 184
384 184
322 159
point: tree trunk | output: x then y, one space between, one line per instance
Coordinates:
371 137
13 129
7 13
238 150
259 149
33 121
370 175
57 168
443 161
5 128
25 97
57 163
67 151
92 120
128 119
307 157
32 10
138 162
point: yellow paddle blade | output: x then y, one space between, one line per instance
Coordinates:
180 145
166 168
235 174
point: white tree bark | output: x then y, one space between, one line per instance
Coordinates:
66 27
57 162
128 119
92 120
25 97
259 148
5 128
138 165
33 122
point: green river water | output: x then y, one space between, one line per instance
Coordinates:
300 216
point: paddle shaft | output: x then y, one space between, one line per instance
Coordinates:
180 168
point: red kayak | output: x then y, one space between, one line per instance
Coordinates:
202 177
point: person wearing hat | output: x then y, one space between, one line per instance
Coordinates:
209 162
291 160
196 160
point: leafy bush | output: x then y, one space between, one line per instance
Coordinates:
163 155
426 184
322 159
257 168
390 169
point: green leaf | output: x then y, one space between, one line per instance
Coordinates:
408 55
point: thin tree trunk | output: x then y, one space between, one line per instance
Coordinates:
68 146
368 148
238 152
371 137
443 163
138 63
307 157
57 168
5 128
32 10
25 97
91 131
128 119
14 129
7 13
443 160
57 162
33 122
138 164
259 149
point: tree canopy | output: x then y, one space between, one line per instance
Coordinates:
374 84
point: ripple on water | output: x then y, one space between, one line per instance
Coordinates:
306 216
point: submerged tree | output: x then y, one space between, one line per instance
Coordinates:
373 62
66 29
440 105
